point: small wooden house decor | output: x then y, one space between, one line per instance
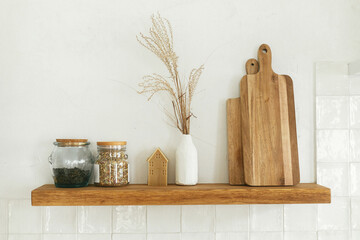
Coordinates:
157 171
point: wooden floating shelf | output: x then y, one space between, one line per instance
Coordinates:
201 194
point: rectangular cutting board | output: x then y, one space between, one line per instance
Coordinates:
268 126
233 117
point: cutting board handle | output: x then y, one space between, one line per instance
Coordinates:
264 56
252 66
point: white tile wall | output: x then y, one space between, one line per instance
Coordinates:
198 218
335 176
163 219
231 218
333 235
355 179
59 219
300 236
300 217
355 111
332 112
266 217
94 236
59 237
3 216
164 236
334 216
23 218
202 236
94 219
355 235
332 145
355 213
127 236
24 237
355 145
129 219
266 235
232 236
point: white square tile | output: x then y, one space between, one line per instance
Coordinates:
355 145
3 216
24 218
333 235
93 236
334 216
355 179
332 145
334 176
94 219
128 236
3 237
331 78
232 236
59 237
266 236
300 236
129 219
332 112
166 236
355 235
355 111
198 218
202 236
355 213
354 86
300 217
232 218
266 217
24 237
59 220
163 219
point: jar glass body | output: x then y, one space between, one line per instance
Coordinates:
111 167
71 165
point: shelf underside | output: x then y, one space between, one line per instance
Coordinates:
201 194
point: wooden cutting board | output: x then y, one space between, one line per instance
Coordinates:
236 167
268 126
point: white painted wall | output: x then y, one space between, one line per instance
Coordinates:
71 69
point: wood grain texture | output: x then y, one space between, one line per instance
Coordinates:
201 194
233 117
268 125
157 168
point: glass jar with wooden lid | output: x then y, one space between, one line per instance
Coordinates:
71 163
111 167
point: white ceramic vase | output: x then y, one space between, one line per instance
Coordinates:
186 162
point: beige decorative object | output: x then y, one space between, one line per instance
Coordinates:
157 171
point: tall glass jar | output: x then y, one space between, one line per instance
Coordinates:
111 168
71 163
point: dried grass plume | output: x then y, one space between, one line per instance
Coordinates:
181 92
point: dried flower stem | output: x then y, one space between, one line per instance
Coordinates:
160 42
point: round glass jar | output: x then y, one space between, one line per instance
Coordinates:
71 163
111 168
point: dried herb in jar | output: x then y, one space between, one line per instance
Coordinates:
69 176
111 167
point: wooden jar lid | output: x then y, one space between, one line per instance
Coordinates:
71 140
113 143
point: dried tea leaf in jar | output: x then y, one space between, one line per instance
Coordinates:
111 167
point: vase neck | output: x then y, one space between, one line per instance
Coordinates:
186 137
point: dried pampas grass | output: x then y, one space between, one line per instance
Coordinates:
160 42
